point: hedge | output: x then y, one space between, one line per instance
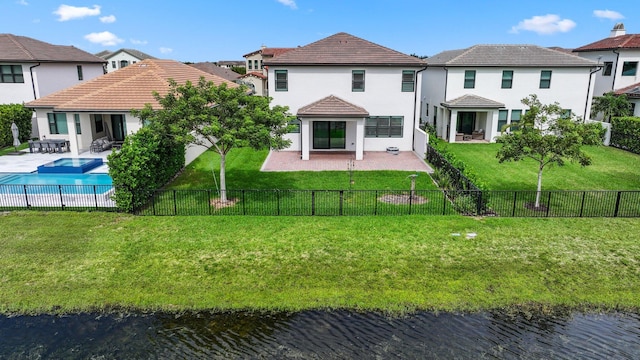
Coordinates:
625 133
19 114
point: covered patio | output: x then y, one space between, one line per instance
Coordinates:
471 118
340 161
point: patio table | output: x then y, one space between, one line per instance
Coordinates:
58 144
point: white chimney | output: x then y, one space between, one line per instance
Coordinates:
618 30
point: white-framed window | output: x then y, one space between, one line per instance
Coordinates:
384 126
57 123
281 80
11 74
469 79
507 79
607 69
76 119
408 80
357 80
629 68
545 79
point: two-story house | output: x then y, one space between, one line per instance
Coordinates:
473 93
619 55
256 75
122 58
349 94
30 69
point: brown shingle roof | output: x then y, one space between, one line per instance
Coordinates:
128 88
214 69
508 55
472 101
273 52
25 49
630 41
632 91
345 49
332 106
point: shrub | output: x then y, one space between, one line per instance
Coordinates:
147 160
625 133
19 114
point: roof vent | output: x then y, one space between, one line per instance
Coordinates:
618 30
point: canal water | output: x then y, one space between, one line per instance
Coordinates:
321 335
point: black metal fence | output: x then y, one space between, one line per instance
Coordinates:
557 203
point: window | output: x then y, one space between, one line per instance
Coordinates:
629 68
608 66
469 79
502 118
97 120
113 64
261 65
507 79
384 126
408 80
357 80
76 118
80 77
124 63
281 80
545 79
516 115
566 114
294 126
250 63
11 74
57 123
255 64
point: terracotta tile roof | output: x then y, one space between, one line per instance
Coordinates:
345 49
332 106
214 69
128 88
508 55
273 52
630 41
473 101
24 49
256 74
632 91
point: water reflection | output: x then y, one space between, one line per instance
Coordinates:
322 335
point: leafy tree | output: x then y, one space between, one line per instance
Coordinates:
14 113
610 105
219 117
548 136
239 69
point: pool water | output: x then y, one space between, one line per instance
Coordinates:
54 183
70 165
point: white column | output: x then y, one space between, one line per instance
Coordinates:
360 139
453 124
492 125
304 140
73 138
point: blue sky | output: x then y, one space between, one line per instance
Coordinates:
212 30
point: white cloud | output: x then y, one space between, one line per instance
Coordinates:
166 50
544 25
138 42
608 14
104 38
289 3
67 12
108 19
22 2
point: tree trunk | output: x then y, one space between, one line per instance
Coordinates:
223 180
539 190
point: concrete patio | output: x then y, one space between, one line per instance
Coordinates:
29 162
339 161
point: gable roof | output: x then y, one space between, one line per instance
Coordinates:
266 51
345 49
254 74
25 49
214 69
630 41
128 88
106 54
632 91
332 106
508 55
472 101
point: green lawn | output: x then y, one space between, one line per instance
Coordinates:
243 172
9 149
69 262
611 169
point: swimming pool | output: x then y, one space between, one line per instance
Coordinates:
70 165
33 183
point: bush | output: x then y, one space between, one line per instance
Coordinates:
147 160
625 133
19 114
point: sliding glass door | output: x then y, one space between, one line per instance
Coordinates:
329 134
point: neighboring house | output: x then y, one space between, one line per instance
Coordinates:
228 64
214 69
256 76
349 94
633 95
473 93
122 58
102 107
30 69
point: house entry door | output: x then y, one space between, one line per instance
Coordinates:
118 126
329 134
466 122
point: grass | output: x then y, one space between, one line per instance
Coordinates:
10 149
611 169
243 172
105 261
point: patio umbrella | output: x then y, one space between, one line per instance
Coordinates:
16 133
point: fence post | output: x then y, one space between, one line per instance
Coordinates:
278 200
548 204
313 202
444 202
615 214
341 200
375 201
95 196
479 202
61 200
175 204
153 202
26 196
584 194
209 199
410 202
244 204
515 196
